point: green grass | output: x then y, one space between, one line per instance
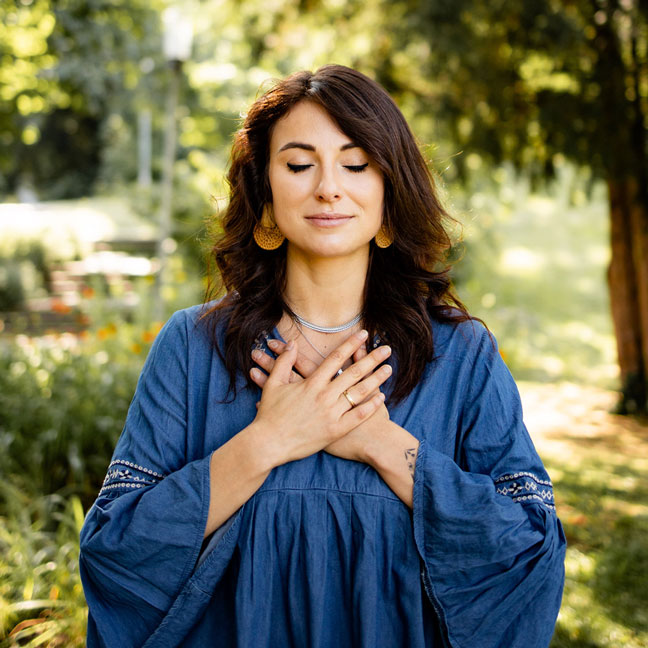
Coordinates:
602 499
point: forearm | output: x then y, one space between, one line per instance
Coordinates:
392 453
237 469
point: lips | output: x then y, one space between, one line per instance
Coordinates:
328 219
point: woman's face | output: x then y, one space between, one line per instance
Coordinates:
327 193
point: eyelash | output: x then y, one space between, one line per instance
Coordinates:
298 168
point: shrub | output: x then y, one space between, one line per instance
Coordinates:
63 402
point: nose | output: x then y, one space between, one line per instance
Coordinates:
328 189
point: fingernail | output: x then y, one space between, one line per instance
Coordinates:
381 396
290 345
255 373
256 354
362 335
386 369
384 351
273 344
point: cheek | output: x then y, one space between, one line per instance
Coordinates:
374 192
287 189
275 182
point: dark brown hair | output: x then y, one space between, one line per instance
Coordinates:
407 283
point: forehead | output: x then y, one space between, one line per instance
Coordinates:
309 123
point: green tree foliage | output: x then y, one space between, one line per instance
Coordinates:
66 66
528 81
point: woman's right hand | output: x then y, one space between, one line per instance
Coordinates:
298 419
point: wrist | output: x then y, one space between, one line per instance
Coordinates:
389 442
378 446
258 448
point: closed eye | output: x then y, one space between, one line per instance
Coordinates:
297 168
357 168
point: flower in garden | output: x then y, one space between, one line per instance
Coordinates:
59 306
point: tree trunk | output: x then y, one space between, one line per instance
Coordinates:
624 136
628 284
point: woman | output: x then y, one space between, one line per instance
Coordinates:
263 492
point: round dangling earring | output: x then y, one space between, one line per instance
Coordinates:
266 233
383 240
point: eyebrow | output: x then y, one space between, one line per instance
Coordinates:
310 147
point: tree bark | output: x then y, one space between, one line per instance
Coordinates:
624 136
628 285
639 225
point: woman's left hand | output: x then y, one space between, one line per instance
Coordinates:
353 445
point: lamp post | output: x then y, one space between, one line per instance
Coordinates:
178 35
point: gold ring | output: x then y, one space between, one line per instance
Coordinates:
346 395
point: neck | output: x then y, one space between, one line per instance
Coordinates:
326 291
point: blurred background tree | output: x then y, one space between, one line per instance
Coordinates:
533 83
67 68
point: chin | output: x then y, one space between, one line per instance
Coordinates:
333 249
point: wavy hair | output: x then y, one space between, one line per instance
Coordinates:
407 283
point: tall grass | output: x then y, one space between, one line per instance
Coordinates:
41 598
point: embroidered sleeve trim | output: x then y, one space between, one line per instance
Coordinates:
526 487
127 475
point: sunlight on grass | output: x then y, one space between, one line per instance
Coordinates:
583 619
598 463
521 260
534 269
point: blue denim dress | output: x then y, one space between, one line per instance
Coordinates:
324 553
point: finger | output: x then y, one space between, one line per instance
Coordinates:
263 360
356 415
334 361
283 365
375 392
365 390
304 365
295 377
266 362
358 370
360 353
258 377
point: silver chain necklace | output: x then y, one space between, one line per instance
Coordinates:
328 329
312 346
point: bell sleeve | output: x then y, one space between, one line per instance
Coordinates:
485 523
142 537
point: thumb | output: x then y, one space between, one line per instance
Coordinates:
282 370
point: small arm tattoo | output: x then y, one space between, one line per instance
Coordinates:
410 457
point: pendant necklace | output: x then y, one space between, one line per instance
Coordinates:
312 346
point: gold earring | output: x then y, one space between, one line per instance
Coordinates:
266 233
383 240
